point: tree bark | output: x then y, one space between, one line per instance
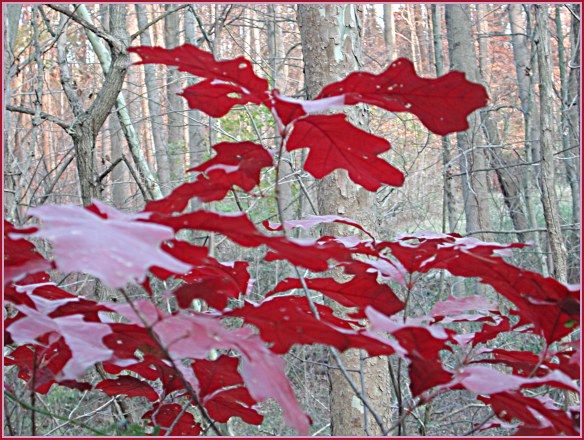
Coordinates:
389 32
570 131
176 136
524 70
474 183
330 36
549 198
154 109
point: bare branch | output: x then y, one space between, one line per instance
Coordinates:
156 20
117 44
47 117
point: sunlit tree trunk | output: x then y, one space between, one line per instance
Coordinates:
331 49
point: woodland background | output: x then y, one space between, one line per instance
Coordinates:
513 176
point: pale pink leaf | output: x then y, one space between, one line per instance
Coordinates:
117 249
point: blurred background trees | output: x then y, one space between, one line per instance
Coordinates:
81 122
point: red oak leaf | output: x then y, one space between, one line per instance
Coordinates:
234 402
118 249
301 252
20 256
222 390
213 284
224 78
193 336
544 302
166 416
288 109
421 344
535 413
84 339
296 324
360 292
129 386
441 104
236 164
334 143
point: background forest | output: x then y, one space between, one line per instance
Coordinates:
513 176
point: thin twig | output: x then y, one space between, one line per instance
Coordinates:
47 413
109 169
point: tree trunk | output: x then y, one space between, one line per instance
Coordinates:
474 183
549 198
330 36
128 129
176 136
389 32
525 83
154 109
569 92
449 215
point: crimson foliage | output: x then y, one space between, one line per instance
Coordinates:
55 336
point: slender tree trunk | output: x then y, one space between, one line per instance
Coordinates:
176 137
331 48
449 203
474 183
549 198
505 165
10 27
154 109
525 82
570 96
389 32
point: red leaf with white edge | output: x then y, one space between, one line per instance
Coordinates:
128 386
536 413
166 416
224 78
239 162
83 338
315 220
359 292
20 256
118 250
544 302
236 164
421 344
334 143
305 253
441 104
216 98
296 324
289 109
